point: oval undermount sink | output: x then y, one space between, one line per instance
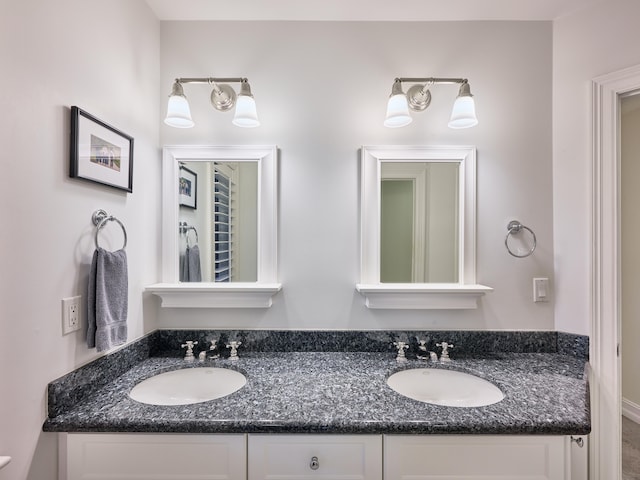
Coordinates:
189 385
445 387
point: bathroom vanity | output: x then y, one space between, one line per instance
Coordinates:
327 415
366 457
224 456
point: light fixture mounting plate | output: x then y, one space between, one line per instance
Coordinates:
223 97
418 97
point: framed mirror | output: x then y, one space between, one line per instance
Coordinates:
418 227
219 226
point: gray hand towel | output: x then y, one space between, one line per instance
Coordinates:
107 300
192 261
183 270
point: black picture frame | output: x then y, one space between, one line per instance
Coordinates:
99 152
188 188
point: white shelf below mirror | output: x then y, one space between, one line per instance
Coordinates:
211 295
405 296
196 180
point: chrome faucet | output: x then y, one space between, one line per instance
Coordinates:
202 356
214 346
422 345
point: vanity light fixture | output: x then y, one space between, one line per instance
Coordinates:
418 98
223 98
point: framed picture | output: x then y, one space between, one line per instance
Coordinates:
188 188
99 152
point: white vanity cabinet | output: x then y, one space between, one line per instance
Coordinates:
133 456
318 457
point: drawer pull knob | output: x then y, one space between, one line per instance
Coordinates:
315 464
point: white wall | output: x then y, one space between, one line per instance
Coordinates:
103 56
321 91
592 42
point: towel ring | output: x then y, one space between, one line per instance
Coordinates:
100 219
184 229
516 227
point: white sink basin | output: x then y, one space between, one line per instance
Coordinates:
445 387
189 385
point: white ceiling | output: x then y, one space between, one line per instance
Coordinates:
366 10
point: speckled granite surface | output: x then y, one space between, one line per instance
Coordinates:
333 392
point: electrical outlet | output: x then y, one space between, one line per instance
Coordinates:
71 318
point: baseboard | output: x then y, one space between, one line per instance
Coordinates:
631 410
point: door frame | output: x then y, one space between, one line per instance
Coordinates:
605 378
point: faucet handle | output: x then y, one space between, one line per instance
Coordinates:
401 346
234 349
189 345
444 356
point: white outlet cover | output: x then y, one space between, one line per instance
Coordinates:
71 321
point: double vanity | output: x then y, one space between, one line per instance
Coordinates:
328 405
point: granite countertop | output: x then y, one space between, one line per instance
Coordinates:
342 392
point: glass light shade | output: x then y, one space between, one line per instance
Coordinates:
463 114
178 112
246 115
397 111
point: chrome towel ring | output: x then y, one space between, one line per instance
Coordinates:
516 227
100 218
185 229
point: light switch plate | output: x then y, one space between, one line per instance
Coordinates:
541 289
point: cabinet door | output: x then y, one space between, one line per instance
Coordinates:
317 457
131 456
437 457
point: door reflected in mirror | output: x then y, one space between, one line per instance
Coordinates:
419 222
218 227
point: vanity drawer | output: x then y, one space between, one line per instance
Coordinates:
337 457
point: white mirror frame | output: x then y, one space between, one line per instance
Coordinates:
461 295
209 294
